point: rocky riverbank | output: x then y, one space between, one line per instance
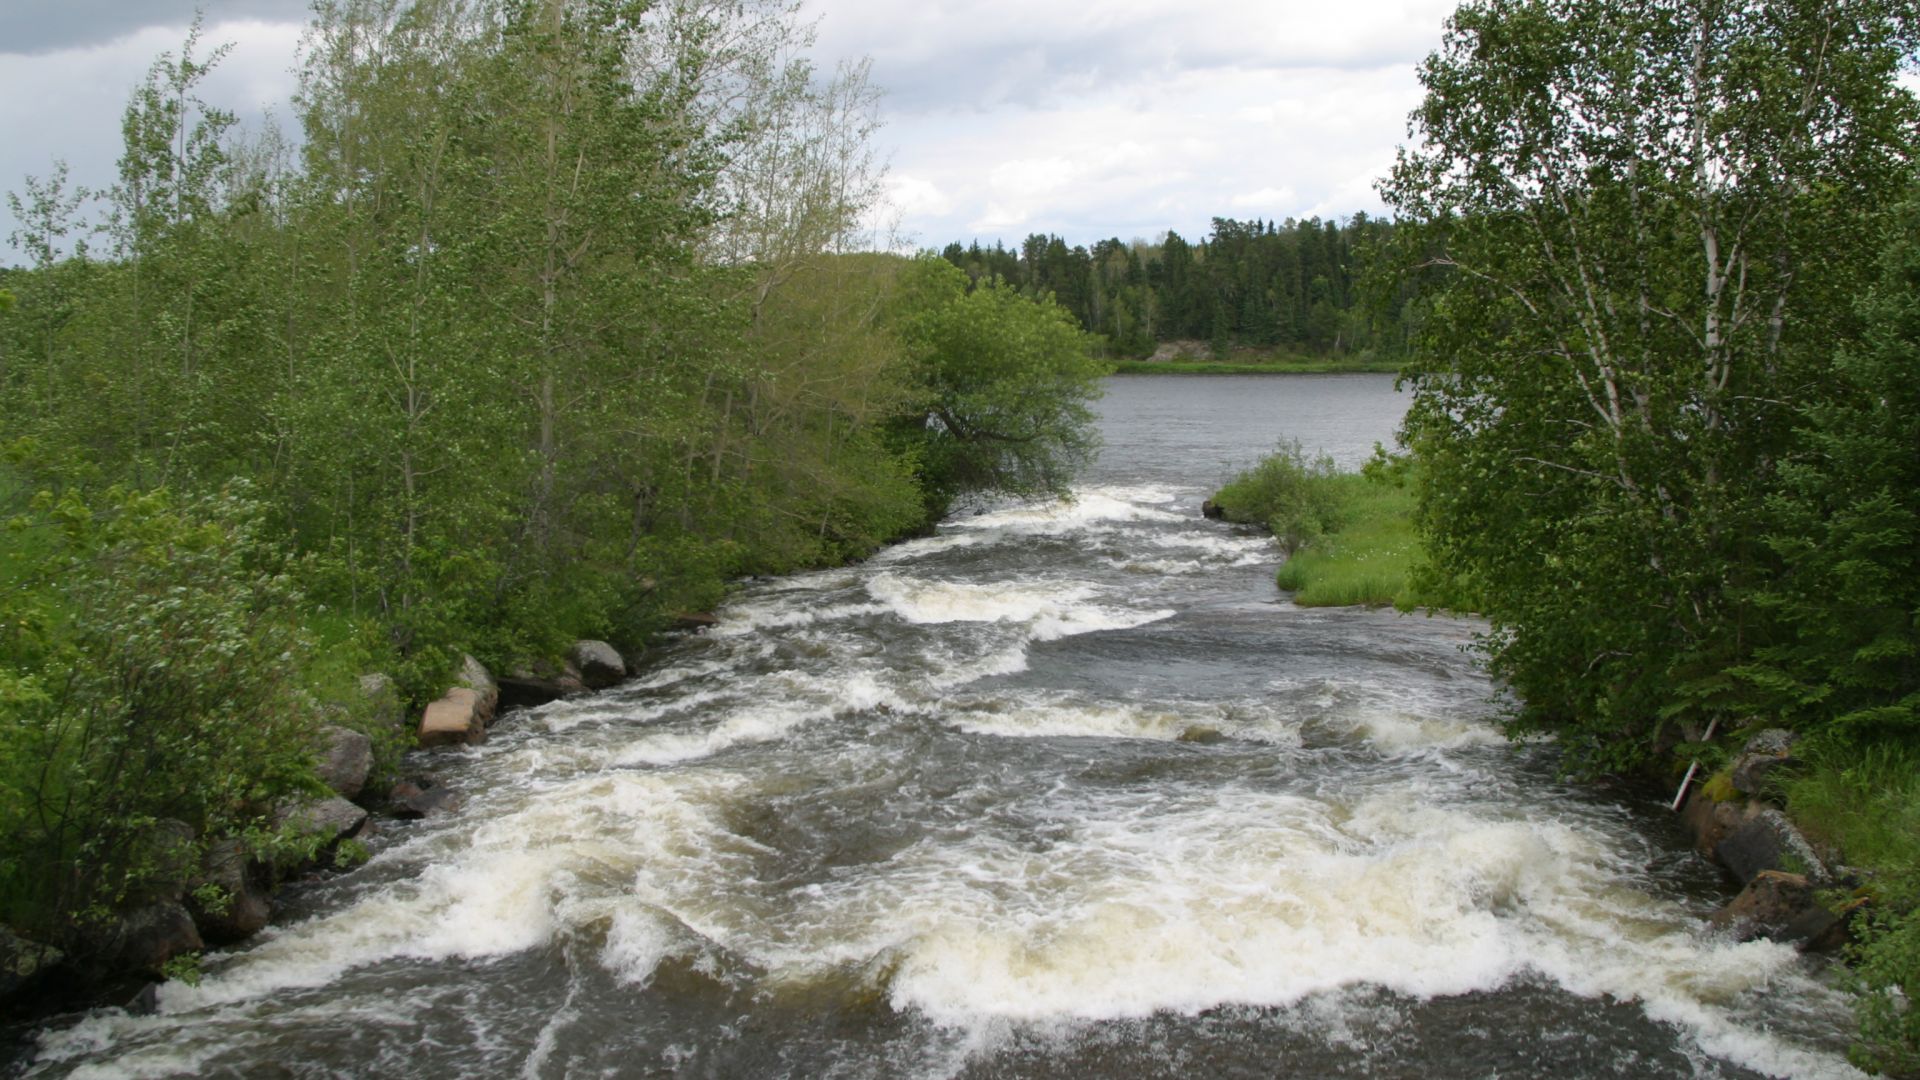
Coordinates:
221 891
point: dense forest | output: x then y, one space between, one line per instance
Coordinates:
1301 286
553 322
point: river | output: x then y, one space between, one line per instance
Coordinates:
1060 791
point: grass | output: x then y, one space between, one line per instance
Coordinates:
1864 801
1350 535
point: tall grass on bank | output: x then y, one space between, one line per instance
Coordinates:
1864 801
1349 536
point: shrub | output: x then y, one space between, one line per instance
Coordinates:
151 679
1291 495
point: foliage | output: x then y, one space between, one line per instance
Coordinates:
1354 537
1005 383
1298 285
145 678
1650 218
1292 496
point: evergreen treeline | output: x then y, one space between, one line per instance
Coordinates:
1666 418
1296 286
547 329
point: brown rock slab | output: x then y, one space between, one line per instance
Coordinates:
457 719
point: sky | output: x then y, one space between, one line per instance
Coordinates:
1002 118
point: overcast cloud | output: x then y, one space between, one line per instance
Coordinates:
1003 117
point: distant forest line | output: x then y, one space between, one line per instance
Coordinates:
1296 286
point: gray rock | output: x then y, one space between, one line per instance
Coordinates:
175 853
1766 752
23 963
383 701
346 756
144 939
1768 841
598 663
244 904
328 819
473 675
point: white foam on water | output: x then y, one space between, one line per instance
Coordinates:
751 617
1064 715
488 889
1086 508
763 710
1395 731
1270 900
1049 610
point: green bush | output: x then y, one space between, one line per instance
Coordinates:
1291 495
148 675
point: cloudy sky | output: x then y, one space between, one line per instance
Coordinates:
1003 117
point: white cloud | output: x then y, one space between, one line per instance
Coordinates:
67 104
1124 118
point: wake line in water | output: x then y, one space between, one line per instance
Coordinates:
1002 793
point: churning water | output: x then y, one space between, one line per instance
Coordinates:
1061 791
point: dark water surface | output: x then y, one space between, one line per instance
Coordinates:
1061 791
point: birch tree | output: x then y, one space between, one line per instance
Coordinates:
1650 217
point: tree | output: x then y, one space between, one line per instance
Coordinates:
1649 215
1006 385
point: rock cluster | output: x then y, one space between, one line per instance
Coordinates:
1781 872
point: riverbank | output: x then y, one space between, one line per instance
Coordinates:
1199 358
1821 839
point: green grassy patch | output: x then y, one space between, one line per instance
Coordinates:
1350 535
1863 799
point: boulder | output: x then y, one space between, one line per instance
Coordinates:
382 698
175 857
1772 901
346 756
328 820
527 689
23 963
422 800
1710 821
457 719
244 903
474 676
145 938
1768 841
599 664
1764 753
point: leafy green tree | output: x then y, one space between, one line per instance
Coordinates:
1650 217
1007 381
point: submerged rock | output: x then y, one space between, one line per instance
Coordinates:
422 800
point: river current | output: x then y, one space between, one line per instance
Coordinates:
1063 790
